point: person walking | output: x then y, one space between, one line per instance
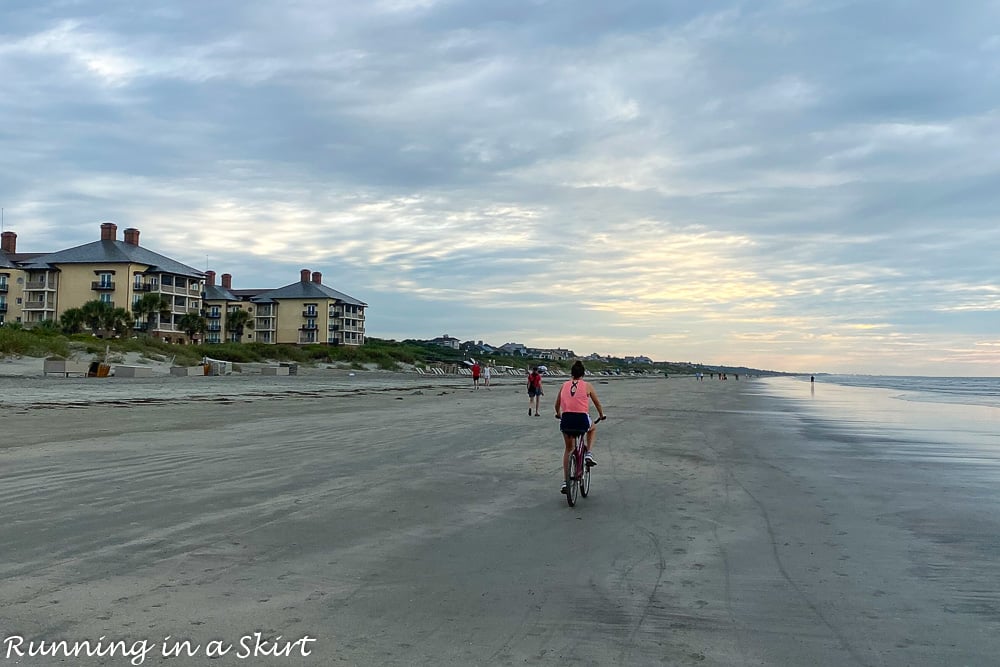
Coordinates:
487 372
534 389
476 370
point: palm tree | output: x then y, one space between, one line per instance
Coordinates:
152 307
238 320
96 314
191 324
72 321
118 321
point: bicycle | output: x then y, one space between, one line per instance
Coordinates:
578 472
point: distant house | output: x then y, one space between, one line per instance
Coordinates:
638 360
514 349
478 347
552 354
446 341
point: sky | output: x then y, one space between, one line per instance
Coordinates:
782 184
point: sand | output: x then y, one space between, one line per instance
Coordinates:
395 519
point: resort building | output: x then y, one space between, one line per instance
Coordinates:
11 279
40 287
115 272
305 312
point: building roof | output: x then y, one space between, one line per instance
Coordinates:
113 252
306 289
6 261
217 293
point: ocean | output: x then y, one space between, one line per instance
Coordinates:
951 421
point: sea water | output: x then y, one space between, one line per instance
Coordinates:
949 420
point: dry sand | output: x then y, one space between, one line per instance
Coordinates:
402 520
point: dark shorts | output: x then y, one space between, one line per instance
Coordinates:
534 391
574 422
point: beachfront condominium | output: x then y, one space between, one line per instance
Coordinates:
112 271
39 287
303 312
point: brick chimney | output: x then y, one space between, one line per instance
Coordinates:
109 231
317 277
304 275
132 236
227 281
8 242
209 278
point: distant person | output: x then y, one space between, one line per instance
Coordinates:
487 372
476 370
534 389
812 378
573 413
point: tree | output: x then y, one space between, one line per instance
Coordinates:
191 324
118 321
152 307
72 321
96 314
238 320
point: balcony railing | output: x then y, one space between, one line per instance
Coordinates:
3 287
101 285
3 307
214 327
38 305
310 313
308 327
141 287
213 315
35 284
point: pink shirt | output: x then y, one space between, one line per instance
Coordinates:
574 401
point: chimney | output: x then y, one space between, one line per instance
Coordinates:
109 231
8 242
317 277
132 236
304 275
209 278
227 281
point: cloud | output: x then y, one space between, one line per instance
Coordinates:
790 184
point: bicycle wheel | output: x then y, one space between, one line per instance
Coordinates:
585 482
572 481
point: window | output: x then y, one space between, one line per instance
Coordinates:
180 282
180 301
106 297
105 279
168 280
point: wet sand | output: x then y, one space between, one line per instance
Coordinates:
404 520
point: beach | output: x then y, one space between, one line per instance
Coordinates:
383 518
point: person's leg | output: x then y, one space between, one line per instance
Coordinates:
591 437
568 441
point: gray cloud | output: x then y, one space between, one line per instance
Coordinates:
789 184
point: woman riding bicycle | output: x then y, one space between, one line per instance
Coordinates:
573 413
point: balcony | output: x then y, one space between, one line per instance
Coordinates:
102 286
3 287
334 327
35 285
141 287
38 305
215 326
213 315
310 313
3 307
309 327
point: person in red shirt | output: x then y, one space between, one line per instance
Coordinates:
476 369
534 389
573 413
